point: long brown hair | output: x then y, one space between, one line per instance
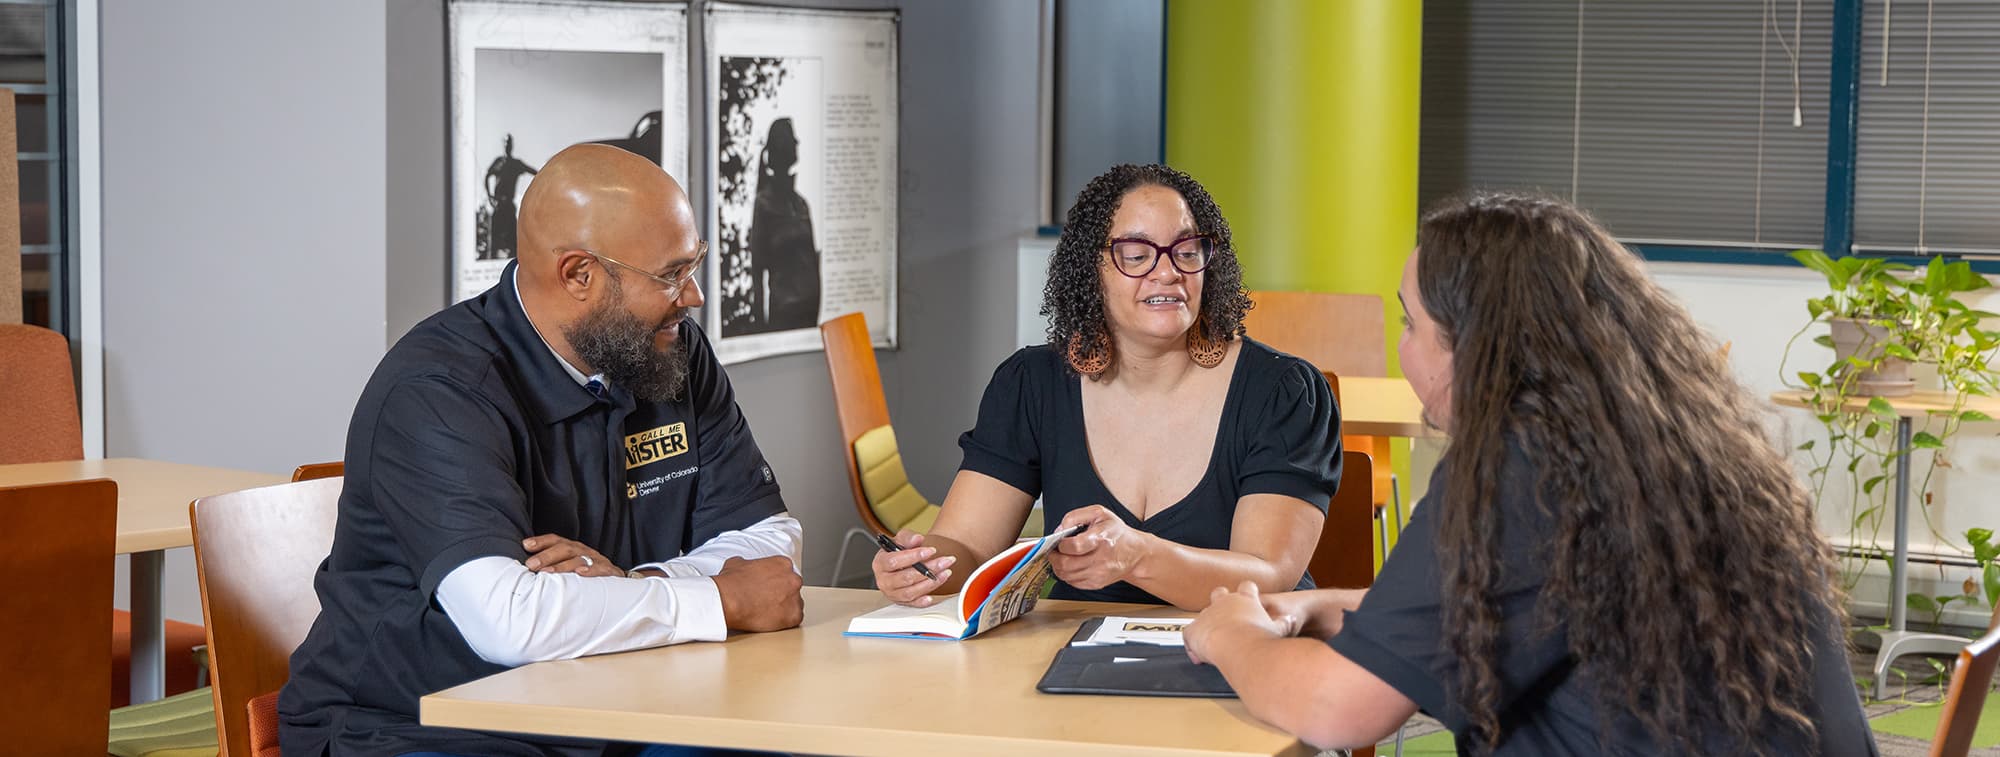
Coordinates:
1686 564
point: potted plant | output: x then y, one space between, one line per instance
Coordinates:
1865 309
1882 317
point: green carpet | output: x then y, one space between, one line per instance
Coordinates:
1921 723
1916 722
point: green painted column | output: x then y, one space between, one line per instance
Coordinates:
1300 116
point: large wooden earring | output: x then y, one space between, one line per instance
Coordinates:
1090 360
1206 352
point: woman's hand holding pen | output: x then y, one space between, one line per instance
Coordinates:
1102 555
896 571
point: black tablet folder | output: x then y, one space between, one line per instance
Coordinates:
1158 672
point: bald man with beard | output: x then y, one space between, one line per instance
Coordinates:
552 469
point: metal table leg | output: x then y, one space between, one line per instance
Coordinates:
1898 640
149 629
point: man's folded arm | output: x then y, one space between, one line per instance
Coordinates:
777 536
512 616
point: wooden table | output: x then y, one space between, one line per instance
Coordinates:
153 500
1374 406
811 690
1899 640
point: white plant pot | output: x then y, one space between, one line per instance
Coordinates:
1891 378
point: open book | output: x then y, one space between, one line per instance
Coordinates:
999 590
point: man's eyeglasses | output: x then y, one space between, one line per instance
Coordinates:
674 281
1138 257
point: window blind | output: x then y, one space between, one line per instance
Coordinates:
1671 121
1949 200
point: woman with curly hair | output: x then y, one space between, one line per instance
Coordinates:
1197 457
1612 559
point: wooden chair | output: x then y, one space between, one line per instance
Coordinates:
56 615
1383 488
864 411
1966 696
312 471
1341 335
255 554
884 498
1345 556
38 408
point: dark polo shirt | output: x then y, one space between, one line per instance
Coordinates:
469 438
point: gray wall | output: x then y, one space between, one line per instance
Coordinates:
418 166
968 192
243 227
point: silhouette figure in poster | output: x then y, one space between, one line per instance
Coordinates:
502 180
781 236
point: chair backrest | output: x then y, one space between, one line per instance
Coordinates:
255 554
38 404
886 485
55 616
1342 333
1345 557
1966 697
311 471
857 395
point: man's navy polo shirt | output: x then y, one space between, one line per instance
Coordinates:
469 438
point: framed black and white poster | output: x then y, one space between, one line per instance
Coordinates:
802 151
531 77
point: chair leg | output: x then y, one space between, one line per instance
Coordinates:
840 563
1399 738
1396 500
1382 534
200 666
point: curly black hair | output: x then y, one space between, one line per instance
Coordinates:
1073 300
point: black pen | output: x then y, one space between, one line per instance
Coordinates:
890 545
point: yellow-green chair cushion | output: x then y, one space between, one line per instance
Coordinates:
895 502
887 486
182 725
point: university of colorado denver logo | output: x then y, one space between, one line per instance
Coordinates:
655 444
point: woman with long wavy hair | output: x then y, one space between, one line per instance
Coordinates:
1612 559
1196 457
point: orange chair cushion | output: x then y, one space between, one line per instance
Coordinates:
264 726
182 638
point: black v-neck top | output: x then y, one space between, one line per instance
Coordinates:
1279 434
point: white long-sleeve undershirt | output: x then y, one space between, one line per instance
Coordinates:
512 616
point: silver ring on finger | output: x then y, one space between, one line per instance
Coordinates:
587 562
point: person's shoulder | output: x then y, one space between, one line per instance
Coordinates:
453 347
1266 367
1041 358
1036 365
